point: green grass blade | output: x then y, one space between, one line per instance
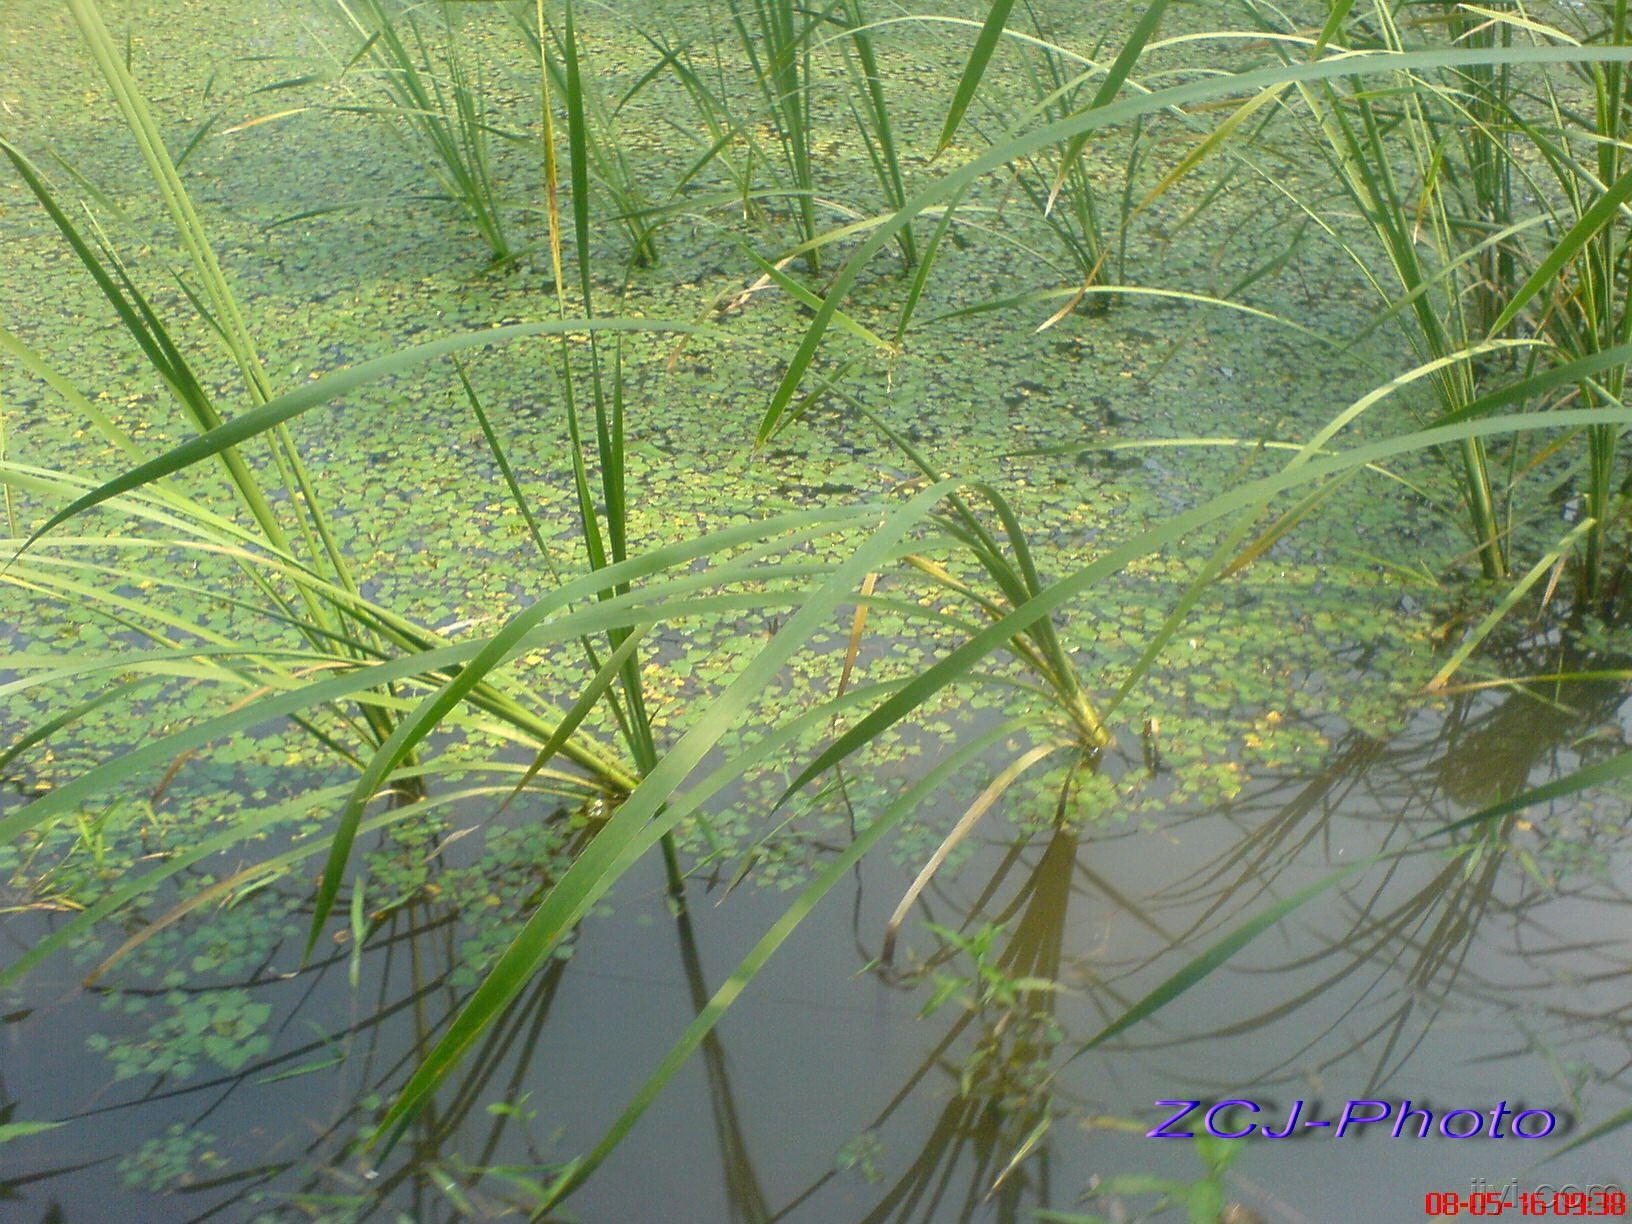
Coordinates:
1334 22
731 989
642 818
985 44
1603 211
581 706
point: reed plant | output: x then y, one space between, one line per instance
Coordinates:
434 92
1576 286
1393 153
775 41
609 162
782 49
1435 167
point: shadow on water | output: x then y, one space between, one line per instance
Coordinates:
1485 967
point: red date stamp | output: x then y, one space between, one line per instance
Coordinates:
1558 1202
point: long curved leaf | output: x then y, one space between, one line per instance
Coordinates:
330 387
647 813
938 676
981 55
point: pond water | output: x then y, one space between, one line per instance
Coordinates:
1455 980
1286 735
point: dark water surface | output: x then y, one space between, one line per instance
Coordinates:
1455 980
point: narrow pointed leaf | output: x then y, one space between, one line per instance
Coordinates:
985 44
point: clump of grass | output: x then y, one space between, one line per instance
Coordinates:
1391 154
435 96
774 37
725 139
603 143
1576 291
1014 580
1457 249
780 46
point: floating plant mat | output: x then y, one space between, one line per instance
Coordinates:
1282 735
